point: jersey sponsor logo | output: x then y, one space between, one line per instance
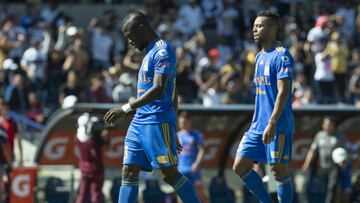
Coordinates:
262 80
259 91
162 159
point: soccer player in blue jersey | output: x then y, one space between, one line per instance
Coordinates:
150 142
192 153
270 135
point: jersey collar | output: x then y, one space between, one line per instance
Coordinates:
151 45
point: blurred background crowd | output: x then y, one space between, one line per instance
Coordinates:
45 56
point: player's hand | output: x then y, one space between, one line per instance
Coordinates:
179 147
269 133
112 115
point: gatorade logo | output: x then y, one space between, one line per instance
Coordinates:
21 185
55 148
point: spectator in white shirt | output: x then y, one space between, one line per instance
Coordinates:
101 45
190 18
324 77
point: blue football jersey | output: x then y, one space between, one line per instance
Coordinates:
270 66
190 142
160 58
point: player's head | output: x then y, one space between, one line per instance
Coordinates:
136 29
265 27
184 121
328 124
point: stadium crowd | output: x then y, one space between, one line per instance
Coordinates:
45 57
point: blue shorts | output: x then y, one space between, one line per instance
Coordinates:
278 151
150 146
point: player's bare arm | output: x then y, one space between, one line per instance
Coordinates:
199 158
156 91
283 92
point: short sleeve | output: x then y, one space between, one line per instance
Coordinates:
315 144
200 139
284 65
162 61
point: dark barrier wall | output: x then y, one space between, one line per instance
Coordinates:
222 126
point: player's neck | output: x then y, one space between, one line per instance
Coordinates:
152 37
266 46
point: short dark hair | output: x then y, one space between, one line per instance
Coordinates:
135 18
272 15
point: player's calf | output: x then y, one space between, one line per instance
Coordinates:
283 180
250 178
130 184
181 184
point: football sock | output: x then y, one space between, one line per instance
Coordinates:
254 183
185 190
129 190
284 189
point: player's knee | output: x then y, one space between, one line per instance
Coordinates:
170 174
279 170
241 166
131 172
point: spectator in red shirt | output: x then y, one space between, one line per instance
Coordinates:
11 129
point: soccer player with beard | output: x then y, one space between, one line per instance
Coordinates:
270 135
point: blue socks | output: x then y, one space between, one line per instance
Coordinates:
254 183
284 190
185 190
128 191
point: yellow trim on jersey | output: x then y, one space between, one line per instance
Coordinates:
280 49
167 140
160 43
281 145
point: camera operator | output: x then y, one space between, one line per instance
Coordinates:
90 140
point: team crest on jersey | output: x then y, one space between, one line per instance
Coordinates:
285 59
163 52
